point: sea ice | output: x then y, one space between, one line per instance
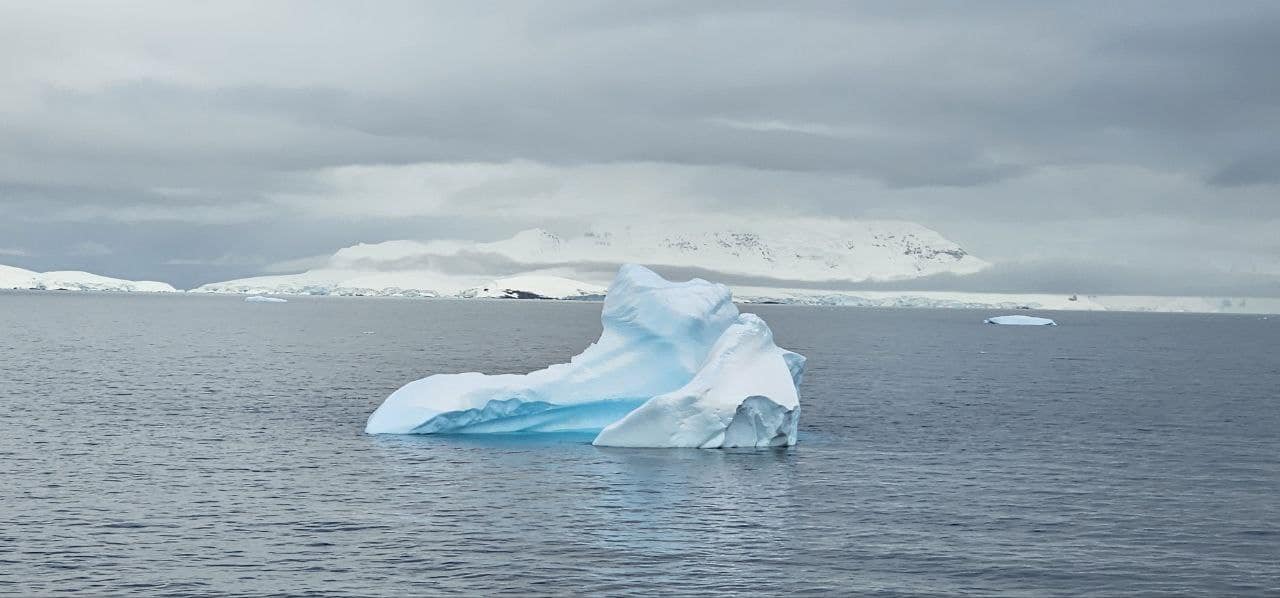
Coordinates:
1020 321
676 365
261 299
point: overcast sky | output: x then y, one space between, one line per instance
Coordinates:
1089 146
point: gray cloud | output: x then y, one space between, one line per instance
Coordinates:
197 147
1257 169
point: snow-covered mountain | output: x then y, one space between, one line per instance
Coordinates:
795 250
72 280
807 250
541 284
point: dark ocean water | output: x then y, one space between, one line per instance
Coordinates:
201 445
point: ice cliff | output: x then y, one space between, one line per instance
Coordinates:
676 366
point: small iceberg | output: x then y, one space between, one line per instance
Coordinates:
676 366
261 299
1020 321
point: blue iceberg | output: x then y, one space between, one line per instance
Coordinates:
676 366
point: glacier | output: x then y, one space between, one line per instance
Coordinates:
676 366
1020 321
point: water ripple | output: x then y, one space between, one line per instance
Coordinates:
177 446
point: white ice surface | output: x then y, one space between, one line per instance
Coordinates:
411 283
70 280
261 299
547 264
541 285
743 395
1020 321
674 366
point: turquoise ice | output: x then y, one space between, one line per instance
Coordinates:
676 366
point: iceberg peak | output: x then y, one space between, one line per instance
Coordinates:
676 366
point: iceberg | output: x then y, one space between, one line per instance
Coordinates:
261 299
1020 321
675 366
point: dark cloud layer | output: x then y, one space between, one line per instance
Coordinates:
203 141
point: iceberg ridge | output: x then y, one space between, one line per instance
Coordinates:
676 366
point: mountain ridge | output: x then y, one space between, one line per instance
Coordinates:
806 250
12 277
798 250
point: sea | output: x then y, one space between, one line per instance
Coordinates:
155 445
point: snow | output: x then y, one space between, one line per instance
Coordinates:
17 278
536 286
261 299
676 365
70 280
1020 321
545 264
560 283
805 249
541 284
790 261
1008 301
551 286
920 299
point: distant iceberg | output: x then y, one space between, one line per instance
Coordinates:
261 299
1020 321
676 366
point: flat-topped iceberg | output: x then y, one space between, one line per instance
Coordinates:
261 299
1020 321
676 366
